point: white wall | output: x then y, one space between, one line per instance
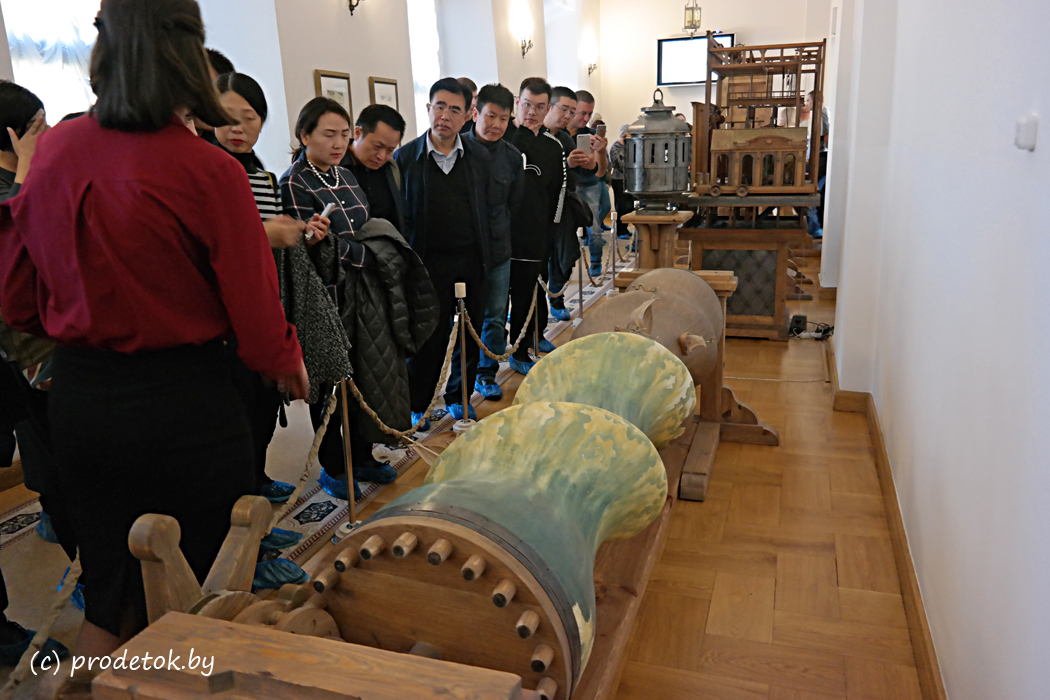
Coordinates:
468 41
629 30
512 67
573 35
956 359
322 34
246 32
6 71
837 95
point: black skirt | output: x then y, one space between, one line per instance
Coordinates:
150 432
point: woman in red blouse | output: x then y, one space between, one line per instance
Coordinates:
137 246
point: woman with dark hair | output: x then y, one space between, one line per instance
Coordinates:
244 100
139 273
315 180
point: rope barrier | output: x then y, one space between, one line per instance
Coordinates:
511 350
21 672
402 434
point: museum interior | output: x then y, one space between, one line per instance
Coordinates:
653 340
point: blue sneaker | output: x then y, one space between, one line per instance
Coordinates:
488 388
276 573
624 236
279 539
336 488
520 366
596 271
547 346
426 424
560 314
277 491
819 233
45 529
11 653
456 410
376 473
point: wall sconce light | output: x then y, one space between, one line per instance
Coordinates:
591 67
692 17
354 4
520 24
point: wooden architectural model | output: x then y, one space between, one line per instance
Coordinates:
762 146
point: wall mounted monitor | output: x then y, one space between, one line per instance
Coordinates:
684 61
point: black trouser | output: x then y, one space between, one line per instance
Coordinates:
262 402
523 275
623 202
7 444
424 368
330 453
151 432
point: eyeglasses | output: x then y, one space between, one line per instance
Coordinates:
440 108
565 109
529 107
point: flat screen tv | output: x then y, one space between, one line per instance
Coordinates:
684 61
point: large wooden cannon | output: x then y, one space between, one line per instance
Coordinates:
491 562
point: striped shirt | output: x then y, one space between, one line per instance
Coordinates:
267 196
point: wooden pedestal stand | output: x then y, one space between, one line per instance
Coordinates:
657 236
722 416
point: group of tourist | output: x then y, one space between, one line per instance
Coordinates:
164 295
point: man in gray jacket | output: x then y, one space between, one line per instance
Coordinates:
492 113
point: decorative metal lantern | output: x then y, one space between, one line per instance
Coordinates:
658 152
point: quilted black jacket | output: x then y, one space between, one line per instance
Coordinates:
390 310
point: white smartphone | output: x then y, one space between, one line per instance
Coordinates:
583 143
328 210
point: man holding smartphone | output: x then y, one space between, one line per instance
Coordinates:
589 183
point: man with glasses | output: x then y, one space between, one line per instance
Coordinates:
546 182
589 184
447 216
580 164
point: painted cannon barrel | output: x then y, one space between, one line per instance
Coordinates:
676 308
534 490
632 376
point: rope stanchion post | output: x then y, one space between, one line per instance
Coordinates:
616 247
461 297
351 512
536 324
579 276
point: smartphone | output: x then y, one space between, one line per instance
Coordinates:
328 209
601 130
583 142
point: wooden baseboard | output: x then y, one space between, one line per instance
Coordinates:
930 681
12 476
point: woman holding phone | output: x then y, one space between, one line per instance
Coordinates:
243 99
140 273
315 181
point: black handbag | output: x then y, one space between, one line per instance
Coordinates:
579 213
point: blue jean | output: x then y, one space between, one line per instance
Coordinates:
494 328
604 205
592 194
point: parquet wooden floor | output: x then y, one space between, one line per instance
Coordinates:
782 584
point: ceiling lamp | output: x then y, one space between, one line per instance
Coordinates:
692 17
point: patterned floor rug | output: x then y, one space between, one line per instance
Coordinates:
19 522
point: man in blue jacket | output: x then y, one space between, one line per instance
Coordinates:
445 183
495 104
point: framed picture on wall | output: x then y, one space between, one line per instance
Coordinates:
336 86
383 91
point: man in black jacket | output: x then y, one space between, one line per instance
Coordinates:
541 208
445 182
376 136
491 118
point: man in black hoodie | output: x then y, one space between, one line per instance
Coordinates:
542 205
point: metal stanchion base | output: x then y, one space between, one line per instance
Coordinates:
463 426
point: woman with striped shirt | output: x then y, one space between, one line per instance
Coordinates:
243 99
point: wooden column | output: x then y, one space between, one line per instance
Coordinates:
657 235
